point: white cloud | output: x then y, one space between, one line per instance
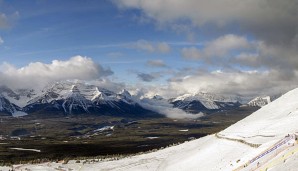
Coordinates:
146 77
272 22
161 47
7 20
165 108
248 59
248 83
145 94
268 19
224 44
1 41
115 54
143 45
3 20
149 77
38 74
219 47
156 63
192 53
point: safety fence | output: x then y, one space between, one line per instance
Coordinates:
237 140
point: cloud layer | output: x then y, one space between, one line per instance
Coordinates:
225 44
221 49
156 63
3 21
245 83
273 20
38 74
1 41
7 20
161 47
149 77
263 63
271 23
165 108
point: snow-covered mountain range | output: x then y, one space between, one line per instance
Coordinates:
68 97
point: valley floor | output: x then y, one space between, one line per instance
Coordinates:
33 139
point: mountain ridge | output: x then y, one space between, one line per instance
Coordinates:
70 97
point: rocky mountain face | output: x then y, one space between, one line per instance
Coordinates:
6 107
259 101
203 102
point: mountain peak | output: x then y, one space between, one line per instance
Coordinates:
157 97
125 93
98 95
260 101
74 89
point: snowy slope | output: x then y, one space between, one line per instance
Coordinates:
273 120
226 150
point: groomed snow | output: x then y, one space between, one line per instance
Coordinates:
265 127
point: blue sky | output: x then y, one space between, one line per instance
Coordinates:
153 43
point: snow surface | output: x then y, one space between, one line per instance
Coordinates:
264 127
26 149
289 163
105 128
19 114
